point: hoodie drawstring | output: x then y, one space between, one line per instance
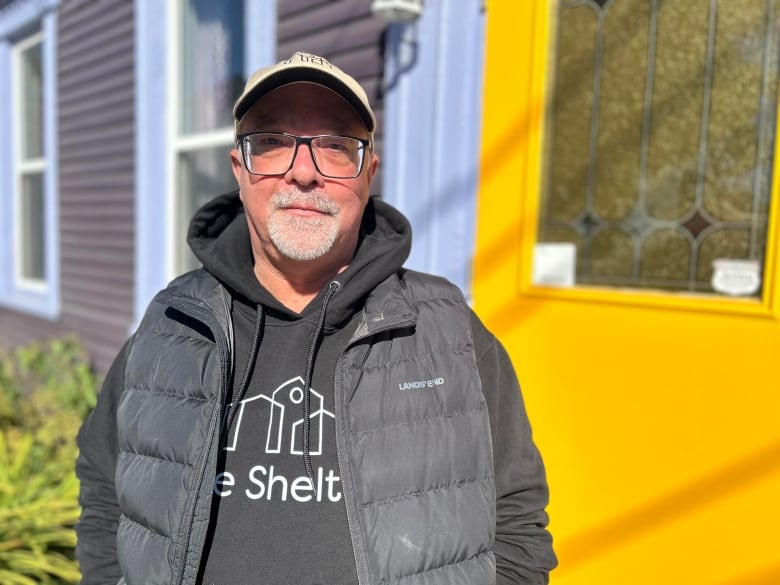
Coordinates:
249 367
333 288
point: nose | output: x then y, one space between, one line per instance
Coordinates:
303 170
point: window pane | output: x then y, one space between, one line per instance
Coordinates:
31 228
31 101
657 168
212 63
202 174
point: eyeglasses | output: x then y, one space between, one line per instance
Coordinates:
273 153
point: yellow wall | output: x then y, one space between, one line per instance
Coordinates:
658 415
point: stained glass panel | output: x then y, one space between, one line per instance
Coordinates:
660 139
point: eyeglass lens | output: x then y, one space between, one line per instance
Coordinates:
268 153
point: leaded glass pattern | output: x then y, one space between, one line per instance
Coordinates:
660 138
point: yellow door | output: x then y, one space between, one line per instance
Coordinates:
627 258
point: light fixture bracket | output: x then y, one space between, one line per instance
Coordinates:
397 10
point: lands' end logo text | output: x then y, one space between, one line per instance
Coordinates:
419 385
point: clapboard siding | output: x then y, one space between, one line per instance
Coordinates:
97 144
21 328
95 119
342 23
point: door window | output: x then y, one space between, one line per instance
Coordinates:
659 146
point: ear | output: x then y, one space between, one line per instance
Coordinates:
372 167
237 164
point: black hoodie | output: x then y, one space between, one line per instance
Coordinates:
268 525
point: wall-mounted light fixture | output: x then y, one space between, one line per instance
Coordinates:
397 10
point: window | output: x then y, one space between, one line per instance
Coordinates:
208 81
192 57
660 145
29 272
29 163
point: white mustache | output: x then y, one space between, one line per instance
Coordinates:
314 199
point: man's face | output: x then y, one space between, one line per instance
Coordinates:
302 216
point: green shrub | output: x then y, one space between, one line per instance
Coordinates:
46 390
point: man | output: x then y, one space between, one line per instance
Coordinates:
303 410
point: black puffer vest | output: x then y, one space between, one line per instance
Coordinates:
412 436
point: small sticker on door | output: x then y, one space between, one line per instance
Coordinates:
555 264
736 277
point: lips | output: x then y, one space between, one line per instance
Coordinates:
305 209
310 204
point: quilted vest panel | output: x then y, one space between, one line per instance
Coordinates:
419 448
167 420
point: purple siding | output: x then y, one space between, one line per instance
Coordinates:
96 118
96 165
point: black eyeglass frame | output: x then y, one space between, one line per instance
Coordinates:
366 144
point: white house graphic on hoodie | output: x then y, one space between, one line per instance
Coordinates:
284 432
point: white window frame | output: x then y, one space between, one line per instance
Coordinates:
23 167
23 23
157 142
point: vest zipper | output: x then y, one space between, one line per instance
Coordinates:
208 317
350 505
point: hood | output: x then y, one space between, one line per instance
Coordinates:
219 237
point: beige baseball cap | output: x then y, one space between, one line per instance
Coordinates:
305 67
